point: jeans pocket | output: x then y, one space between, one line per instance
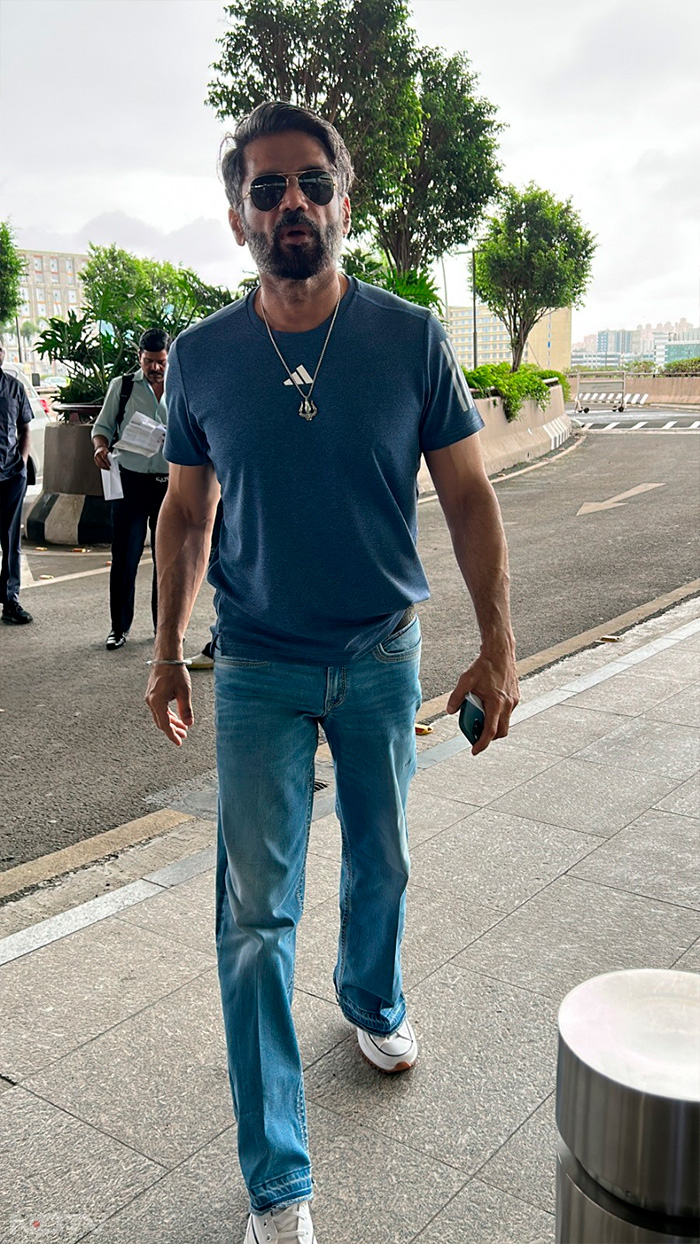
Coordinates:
238 663
402 646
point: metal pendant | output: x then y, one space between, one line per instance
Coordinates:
308 409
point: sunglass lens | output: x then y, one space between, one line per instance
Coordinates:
267 192
318 187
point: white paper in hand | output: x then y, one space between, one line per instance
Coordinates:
112 481
142 436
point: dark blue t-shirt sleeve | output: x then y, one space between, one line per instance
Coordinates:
185 443
449 413
25 412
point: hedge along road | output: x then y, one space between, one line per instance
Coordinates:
79 754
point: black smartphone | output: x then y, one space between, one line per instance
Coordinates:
472 718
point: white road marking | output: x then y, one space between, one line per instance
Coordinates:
671 424
613 503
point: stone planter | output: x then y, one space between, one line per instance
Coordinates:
71 508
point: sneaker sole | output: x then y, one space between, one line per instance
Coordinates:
387 1071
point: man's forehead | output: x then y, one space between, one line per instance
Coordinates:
291 151
154 356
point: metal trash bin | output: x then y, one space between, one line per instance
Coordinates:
628 1110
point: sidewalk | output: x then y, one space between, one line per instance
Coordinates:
567 850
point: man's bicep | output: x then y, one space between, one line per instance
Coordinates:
457 471
194 490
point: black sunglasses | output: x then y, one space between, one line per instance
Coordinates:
268 191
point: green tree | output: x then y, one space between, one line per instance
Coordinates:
535 257
29 331
423 145
415 285
123 295
683 367
12 270
350 60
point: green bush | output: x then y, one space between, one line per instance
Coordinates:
513 388
548 373
683 367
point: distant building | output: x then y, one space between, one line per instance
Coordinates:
549 343
670 350
614 347
50 286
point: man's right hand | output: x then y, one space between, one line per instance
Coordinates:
168 683
101 454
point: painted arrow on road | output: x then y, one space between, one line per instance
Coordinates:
590 507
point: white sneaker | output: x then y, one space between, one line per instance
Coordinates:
397 1051
287 1226
203 661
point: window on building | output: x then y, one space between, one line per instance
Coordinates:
69 265
54 265
54 279
57 296
38 265
23 292
40 293
72 296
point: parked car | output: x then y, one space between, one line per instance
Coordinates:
40 410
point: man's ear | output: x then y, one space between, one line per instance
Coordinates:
236 223
346 215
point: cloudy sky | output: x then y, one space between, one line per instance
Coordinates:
106 138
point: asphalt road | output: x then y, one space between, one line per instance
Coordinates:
78 753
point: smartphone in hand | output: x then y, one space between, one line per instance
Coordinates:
472 718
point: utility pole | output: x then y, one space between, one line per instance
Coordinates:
474 307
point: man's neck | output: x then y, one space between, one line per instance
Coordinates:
298 306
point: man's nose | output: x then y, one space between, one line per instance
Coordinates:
293 197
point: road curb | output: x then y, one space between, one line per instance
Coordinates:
90 851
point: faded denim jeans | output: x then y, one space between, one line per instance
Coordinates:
267 716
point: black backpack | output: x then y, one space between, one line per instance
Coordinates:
124 395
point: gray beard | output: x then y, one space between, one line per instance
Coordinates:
296 263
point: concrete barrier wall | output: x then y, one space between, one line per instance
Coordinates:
505 444
662 390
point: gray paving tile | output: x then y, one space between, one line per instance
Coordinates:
657 855
157 1082
484 1215
67 993
574 930
525 1166
628 693
590 798
324 838
681 708
437 927
684 800
182 914
203 1201
117 1082
680 661
488 1054
427 814
497 859
60 1174
362 1177
563 729
650 745
481 779
690 961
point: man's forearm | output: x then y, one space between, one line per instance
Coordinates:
480 548
23 441
182 551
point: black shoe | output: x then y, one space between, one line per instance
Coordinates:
115 640
14 615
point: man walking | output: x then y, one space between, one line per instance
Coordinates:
310 402
144 479
15 417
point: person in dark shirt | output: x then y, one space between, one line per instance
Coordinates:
15 417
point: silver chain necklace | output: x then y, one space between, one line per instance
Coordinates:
308 408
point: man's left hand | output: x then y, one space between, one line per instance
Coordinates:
495 681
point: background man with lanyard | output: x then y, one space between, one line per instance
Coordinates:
310 402
15 417
144 480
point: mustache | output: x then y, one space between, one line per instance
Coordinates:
290 218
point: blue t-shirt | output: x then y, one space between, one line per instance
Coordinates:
317 556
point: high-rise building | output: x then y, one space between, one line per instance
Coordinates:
50 286
548 346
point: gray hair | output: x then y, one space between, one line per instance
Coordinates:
276 118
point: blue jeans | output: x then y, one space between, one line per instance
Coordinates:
267 716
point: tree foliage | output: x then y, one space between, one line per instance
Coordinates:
12 270
415 285
512 387
350 60
535 257
123 296
422 143
683 367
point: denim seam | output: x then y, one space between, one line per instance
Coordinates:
345 913
355 1013
394 658
284 1184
